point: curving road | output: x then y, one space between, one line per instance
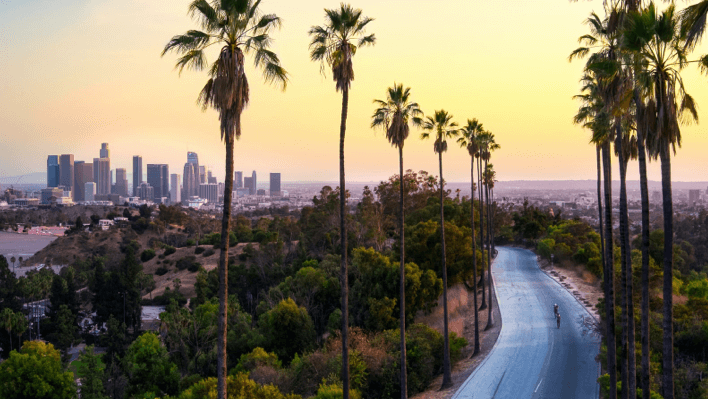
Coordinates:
532 357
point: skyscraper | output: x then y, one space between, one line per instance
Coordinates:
53 174
121 182
175 191
89 191
158 178
105 152
202 174
189 187
238 180
248 183
137 173
694 196
210 192
275 185
83 173
255 182
102 175
66 171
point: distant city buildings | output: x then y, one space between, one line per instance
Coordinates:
145 192
89 191
694 196
137 173
248 184
50 194
53 175
66 171
254 187
238 180
158 178
275 185
121 186
210 192
83 173
175 188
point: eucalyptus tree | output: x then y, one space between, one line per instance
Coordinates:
468 140
657 41
334 44
238 27
441 127
394 116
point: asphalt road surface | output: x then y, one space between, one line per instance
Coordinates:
532 357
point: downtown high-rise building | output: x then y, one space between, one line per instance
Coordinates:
255 183
83 173
102 175
248 183
145 192
189 185
121 186
238 180
105 152
89 191
66 171
202 174
210 192
158 177
137 173
53 174
175 188
275 185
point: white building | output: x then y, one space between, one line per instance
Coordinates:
89 191
175 188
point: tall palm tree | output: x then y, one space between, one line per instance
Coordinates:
657 41
480 202
487 146
603 37
334 44
394 116
239 28
442 128
468 140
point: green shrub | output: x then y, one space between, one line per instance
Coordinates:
237 386
208 252
161 271
190 242
194 267
186 262
258 357
147 254
198 250
334 391
169 250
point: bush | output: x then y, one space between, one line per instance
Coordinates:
147 255
186 262
161 271
194 267
190 242
334 391
238 385
208 252
199 250
169 250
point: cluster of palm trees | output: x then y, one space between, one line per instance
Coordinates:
240 28
633 96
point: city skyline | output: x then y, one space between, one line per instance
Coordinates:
519 89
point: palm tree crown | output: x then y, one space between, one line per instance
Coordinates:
332 44
396 114
239 27
442 127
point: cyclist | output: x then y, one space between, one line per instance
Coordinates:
558 319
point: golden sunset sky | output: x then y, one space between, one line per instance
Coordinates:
74 74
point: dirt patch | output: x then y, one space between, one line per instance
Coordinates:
584 286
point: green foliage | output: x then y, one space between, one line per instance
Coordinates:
545 247
191 336
191 242
237 386
91 372
188 262
35 372
147 254
169 250
287 329
208 252
258 357
149 368
199 250
161 271
335 391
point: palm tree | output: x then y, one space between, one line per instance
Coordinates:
239 28
394 116
7 321
487 145
468 140
480 201
656 41
442 128
333 45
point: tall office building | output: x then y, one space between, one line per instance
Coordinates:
255 183
192 157
137 173
694 196
83 173
189 185
248 183
102 175
121 182
53 174
175 189
275 185
158 177
66 171
145 192
210 179
202 174
105 152
238 180
89 191
210 192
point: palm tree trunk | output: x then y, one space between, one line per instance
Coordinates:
644 189
490 318
631 351
609 274
343 239
474 266
622 352
599 206
223 261
481 230
668 344
447 367
402 283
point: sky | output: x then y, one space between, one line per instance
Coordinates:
75 74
